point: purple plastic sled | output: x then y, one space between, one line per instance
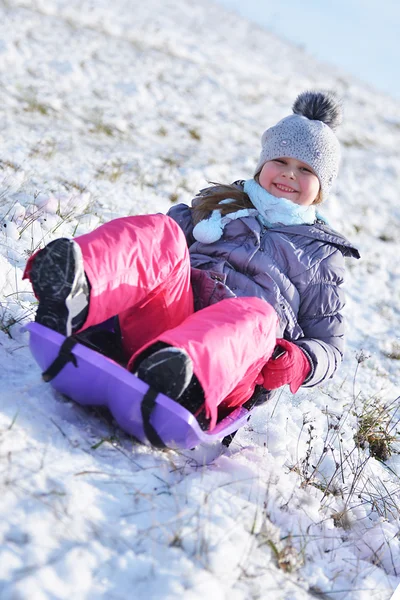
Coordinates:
98 380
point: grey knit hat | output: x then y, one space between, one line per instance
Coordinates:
307 135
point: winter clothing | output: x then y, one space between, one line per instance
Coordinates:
297 269
139 269
307 136
292 367
272 210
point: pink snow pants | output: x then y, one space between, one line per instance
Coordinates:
139 269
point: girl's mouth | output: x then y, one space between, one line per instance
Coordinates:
284 188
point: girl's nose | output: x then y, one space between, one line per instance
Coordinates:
289 172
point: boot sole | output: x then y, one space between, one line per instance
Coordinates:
56 282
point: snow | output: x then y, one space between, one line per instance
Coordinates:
110 109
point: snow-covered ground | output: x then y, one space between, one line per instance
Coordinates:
109 109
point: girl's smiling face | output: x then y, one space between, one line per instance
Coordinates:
291 179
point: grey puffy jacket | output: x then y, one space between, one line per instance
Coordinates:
298 269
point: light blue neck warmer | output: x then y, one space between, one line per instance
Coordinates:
278 210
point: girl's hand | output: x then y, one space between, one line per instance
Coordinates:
288 364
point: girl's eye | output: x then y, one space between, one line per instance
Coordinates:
280 161
307 170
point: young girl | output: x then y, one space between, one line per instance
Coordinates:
238 295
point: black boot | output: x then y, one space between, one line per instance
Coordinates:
168 371
60 284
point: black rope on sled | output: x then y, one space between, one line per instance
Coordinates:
146 407
64 357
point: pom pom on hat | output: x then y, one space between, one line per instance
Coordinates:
319 106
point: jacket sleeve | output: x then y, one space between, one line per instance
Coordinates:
320 317
182 214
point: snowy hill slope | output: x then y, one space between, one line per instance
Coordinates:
120 108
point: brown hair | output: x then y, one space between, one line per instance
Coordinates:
209 199
318 199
